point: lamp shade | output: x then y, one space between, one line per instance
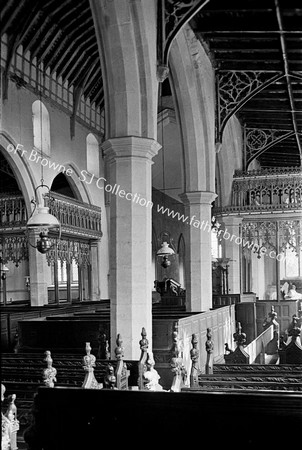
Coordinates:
42 219
165 250
4 268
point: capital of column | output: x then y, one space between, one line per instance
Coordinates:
130 146
198 198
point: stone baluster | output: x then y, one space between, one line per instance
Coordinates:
121 373
239 356
110 378
50 373
90 381
178 369
209 349
142 364
194 354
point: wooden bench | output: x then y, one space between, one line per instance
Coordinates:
237 374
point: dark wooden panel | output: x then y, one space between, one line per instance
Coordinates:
71 419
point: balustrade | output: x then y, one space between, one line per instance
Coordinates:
75 217
12 211
265 190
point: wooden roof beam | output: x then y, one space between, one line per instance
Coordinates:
6 22
287 75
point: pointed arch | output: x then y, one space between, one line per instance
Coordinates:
20 167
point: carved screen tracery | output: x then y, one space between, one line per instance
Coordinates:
277 236
69 250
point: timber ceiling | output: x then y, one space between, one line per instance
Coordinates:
251 43
255 46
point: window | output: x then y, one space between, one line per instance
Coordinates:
41 127
93 160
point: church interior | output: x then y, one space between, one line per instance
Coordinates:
150 221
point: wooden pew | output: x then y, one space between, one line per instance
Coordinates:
239 375
74 419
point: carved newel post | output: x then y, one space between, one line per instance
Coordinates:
239 355
90 381
194 354
178 368
209 349
50 373
142 364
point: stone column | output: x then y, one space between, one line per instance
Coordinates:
130 291
38 274
232 248
198 250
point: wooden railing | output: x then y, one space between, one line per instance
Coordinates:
75 217
12 211
265 191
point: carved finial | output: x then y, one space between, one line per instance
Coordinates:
209 349
88 360
110 378
103 351
144 343
294 330
239 337
3 389
175 348
227 348
142 365
209 343
194 353
272 318
11 412
90 381
49 374
151 376
119 350
10 424
178 368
